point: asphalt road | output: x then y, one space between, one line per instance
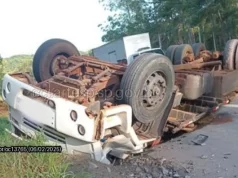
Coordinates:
218 158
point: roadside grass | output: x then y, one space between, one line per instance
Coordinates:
29 165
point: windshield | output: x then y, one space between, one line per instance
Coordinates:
158 51
135 56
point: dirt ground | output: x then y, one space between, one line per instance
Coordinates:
143 166
3 110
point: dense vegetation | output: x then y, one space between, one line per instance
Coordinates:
17 63
173 21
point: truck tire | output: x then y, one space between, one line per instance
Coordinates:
45 55
147 86
182 51
170 52
230 54
236 59
197 48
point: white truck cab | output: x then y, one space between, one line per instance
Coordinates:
142 51
126 49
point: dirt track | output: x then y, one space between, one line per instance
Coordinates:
3 110
143 166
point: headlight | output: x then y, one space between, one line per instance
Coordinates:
4 93
51 104
8 87
81 129
73 115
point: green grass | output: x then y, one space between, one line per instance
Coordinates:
3 124
29 165
17 63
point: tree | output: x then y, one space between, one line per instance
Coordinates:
180 21
90 52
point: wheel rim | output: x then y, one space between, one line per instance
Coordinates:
154 90
189 56
59 62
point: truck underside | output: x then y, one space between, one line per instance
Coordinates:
98 108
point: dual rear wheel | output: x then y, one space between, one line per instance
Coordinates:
177 53
230 55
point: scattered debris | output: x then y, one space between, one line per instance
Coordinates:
225 157
204 157
162 161
109 170
200 139
131 175
137 167
146 169
92 165
164 170
176 175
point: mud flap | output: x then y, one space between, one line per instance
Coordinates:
158 126
155 129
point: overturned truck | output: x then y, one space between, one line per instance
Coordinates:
107 110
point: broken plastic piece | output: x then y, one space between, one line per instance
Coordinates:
200 139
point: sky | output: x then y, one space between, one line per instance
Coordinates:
26 24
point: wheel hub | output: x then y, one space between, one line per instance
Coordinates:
154 90
58 63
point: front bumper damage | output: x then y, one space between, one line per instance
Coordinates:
31 116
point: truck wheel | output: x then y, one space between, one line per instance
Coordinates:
147 86
170 52
182 51
236 59
45 57
197 48
230 54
